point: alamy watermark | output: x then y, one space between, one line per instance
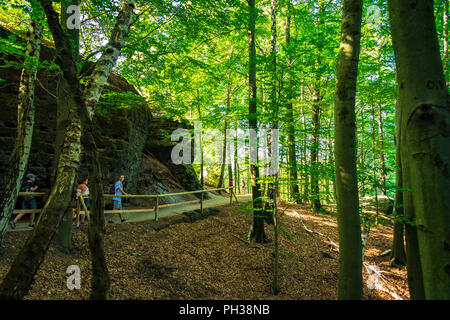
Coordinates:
373 19
74 17
74 279
261 148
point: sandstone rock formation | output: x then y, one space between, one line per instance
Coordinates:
130 139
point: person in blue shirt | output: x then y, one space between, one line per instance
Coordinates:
28 202
117 201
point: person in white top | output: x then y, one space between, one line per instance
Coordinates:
83 189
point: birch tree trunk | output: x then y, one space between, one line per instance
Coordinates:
425 136
350 249
18 280
18 160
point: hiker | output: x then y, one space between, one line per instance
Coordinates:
242 186
82 189
28 202
117 201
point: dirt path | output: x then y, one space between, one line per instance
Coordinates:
215 201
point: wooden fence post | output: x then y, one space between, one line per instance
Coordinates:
78 211
201 203
156 208
85 209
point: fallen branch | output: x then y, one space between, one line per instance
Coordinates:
364 237
332 244
375 279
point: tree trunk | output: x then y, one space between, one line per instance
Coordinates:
224 155
237 179
18 160
270 205
446 40
64 235
350 249
292 160
202 178
381 151
424 105
98 79
228 158
19 278
304 157
398 257
314 191
258 220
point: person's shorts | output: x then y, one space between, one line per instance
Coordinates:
86 202
117 204
29 204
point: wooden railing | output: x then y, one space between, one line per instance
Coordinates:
81 206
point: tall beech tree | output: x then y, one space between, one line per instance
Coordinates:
350 254
258 220
292 158
398 257
18 160
424 105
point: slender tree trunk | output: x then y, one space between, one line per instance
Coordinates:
237 179
350 249
424 104
374 170
316 112
18 160
398 257
362 162
381 151
202 178
306 174
98 79
229 157
315 144
64 235
224 150
292 160
446 40
224 155
269 206
258 220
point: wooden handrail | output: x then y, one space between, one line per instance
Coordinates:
163 194
41 194
36 194
155 209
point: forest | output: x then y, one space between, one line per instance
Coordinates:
194 149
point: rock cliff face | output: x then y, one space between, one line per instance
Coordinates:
130 140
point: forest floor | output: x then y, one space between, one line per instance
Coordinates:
210 259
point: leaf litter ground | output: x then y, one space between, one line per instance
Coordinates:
210 259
